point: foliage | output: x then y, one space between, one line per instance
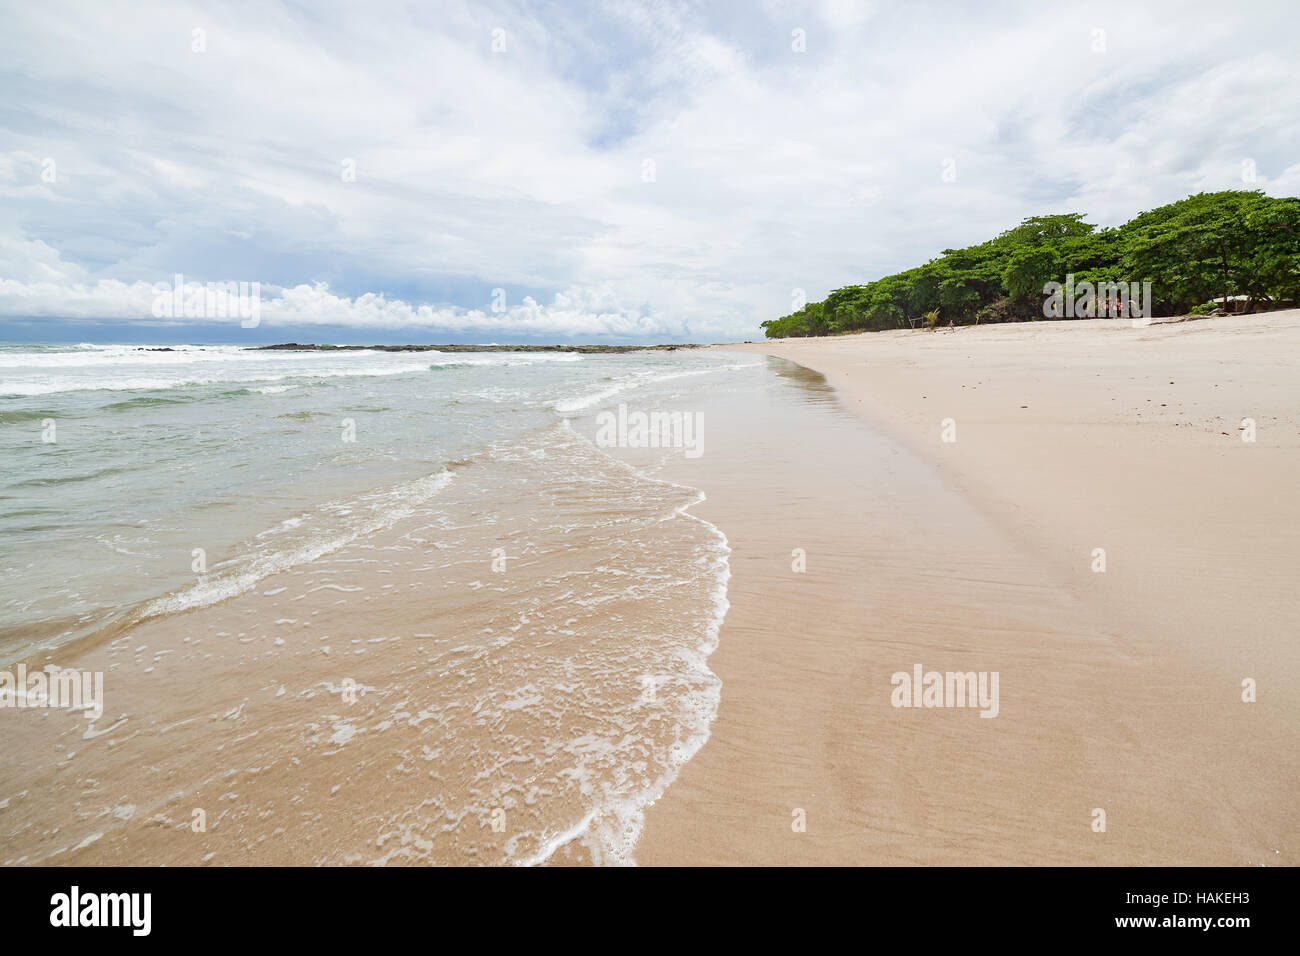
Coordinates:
1199 248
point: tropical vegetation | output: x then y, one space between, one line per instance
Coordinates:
1206 247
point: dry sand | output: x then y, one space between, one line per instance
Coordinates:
1120 691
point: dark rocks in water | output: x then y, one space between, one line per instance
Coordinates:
296 347
163 349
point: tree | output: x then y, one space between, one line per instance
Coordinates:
1202 247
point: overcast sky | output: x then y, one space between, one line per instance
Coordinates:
621 171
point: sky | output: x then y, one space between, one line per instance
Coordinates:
588 172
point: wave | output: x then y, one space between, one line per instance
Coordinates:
577 403
75 479
25 415
129 368
503 358
144 401
381 511
612 826
117 384
89 356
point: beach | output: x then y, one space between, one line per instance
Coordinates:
1121 690
540 649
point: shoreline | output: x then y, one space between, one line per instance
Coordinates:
1121 690
482 650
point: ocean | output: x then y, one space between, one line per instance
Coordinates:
435 546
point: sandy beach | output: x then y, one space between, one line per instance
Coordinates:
876 505
1121 690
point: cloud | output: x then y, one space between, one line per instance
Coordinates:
582 312
630 170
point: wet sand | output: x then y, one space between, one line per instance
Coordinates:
1120 691
465 687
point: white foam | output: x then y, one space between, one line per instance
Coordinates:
453 359
133 368
387 509
580 402
613 826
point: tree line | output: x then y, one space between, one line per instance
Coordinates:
1205 247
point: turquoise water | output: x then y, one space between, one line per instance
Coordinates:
137 482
